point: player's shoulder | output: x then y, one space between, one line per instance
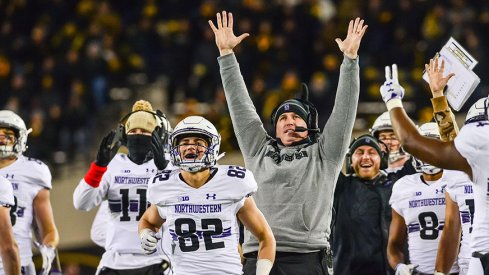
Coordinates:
163 185
118 160
455 179
37 171
6 192
455 176
407 181
474 133
237 180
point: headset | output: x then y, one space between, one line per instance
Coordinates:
162 126
384 156
312 113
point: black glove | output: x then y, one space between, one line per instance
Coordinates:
158 149
106 151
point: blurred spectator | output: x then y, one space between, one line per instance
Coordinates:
48 47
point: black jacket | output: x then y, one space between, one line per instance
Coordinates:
361 224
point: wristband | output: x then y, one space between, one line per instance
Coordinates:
393 103
263 266
94 174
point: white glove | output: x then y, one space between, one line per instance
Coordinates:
148 241
391 88
403 269
48 254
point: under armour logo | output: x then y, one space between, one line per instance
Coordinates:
11 176
286 107
150 170
208 196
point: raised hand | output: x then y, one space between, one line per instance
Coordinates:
225 38
158 149
350 45
106 151
391 88
435 74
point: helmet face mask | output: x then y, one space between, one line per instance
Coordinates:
199 127
429 129
381 125
10 120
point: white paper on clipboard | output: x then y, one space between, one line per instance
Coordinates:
461 63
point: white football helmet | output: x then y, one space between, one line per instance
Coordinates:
478 111
195 126
383 123
429 129
11 120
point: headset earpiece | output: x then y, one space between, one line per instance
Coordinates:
349 168
159 116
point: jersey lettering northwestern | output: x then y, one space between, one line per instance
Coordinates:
202 222
423 208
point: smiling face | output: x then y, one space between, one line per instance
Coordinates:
365 161
192 148
284 130
389 138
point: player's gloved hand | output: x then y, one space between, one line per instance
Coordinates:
404 269
48 253
106 151
148 241
391 88
158 149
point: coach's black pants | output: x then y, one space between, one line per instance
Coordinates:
288 263
156 269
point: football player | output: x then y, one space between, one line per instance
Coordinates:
122 180
418 213
31 182
382 130
9 251
201 203
459 213
468 152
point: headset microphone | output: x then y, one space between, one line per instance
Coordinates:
303 129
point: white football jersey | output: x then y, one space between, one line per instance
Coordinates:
460 190
473 144
6 200
124 186
423 208
28 176
202 221
6 193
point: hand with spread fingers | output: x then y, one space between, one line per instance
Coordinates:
226 40
391 88
435 74
106 151
351 44
158 149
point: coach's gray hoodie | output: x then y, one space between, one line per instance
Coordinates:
296 183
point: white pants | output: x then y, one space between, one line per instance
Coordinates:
475 267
